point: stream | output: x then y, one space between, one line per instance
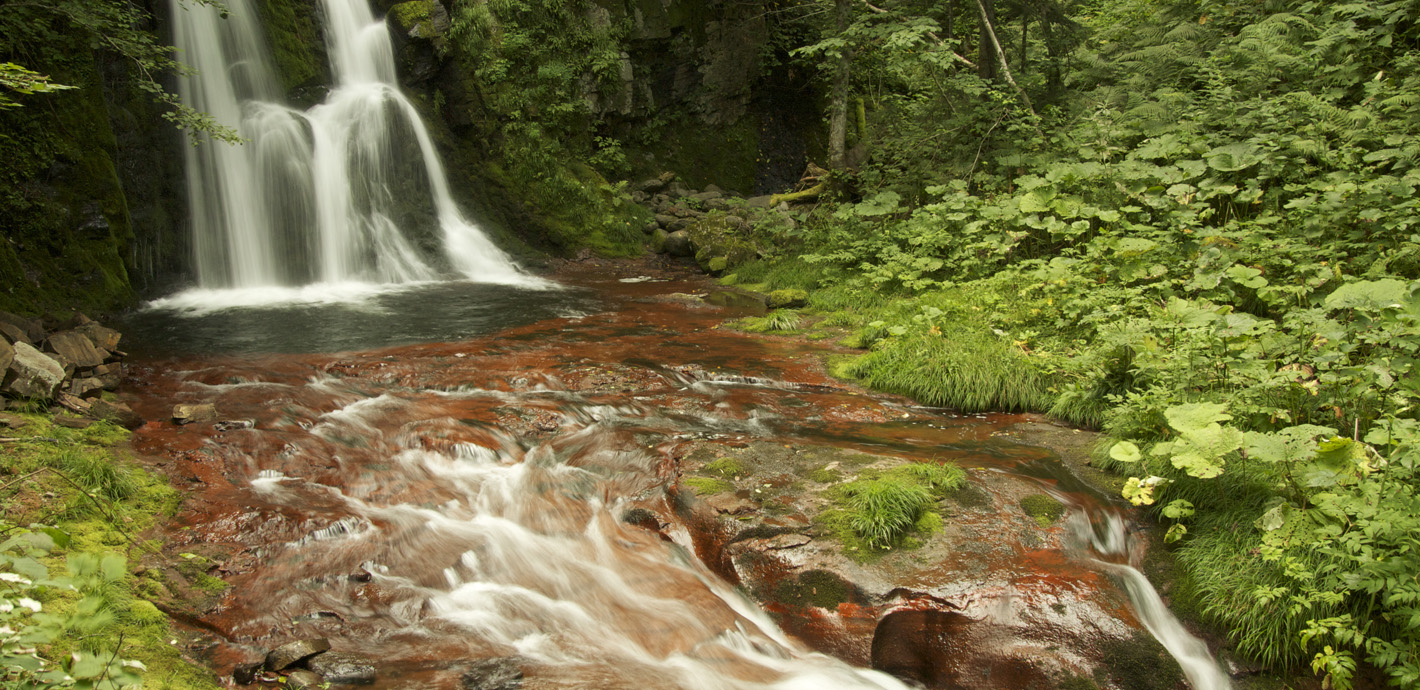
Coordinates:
445 473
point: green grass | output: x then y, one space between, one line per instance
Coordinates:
963 369
876 512
137 501
777 320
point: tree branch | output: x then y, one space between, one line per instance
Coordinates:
1001 56
940 43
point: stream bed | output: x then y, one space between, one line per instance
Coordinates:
456 475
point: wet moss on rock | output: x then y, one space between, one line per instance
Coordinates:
727 468
1140 663
1044 509
297 47
707 486
819 588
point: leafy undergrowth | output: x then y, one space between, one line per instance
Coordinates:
74 505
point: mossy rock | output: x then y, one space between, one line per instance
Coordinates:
658 241
717 264
823 475
144 613
726 468
1044 509
707 486
730 279
819 588
788 298
1141 663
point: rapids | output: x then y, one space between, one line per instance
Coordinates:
461 498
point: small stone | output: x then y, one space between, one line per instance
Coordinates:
33 374
650 227
343 667
493 674
664 219
787 541
232 424
246 674
32 330
303 679
760 201
292 653
115 412
11 421
715 189
736 223
678 244
729 504
73 422
187 414
86 387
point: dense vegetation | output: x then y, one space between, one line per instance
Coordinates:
1189 223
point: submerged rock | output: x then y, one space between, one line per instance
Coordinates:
302 679
292 653
493 674
246 674
343 667
187 414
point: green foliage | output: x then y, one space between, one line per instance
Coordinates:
880 508
24 82
966 370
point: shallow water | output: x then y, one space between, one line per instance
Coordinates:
456 494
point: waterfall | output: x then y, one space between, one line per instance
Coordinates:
1192 654
349 191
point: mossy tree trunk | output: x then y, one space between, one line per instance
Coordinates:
838 106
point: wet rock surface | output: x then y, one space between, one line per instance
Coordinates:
564 488
343 667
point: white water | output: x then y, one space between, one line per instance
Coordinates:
326 198
1192 654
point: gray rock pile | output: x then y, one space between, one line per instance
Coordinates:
307 664
70 364
712 226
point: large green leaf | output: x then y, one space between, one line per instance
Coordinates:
1368 295
1196 416
1233 157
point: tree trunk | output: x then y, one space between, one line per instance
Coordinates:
838 104
990 36
950 27
1025 24
985 55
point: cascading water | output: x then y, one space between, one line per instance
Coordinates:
336 194
1110 539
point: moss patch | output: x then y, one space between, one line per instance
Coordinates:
297 48
707 486
819 588
1044 509
727 468
1140 663
823 475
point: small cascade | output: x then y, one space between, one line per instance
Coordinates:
350 191
1108 539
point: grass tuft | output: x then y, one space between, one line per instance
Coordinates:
967 371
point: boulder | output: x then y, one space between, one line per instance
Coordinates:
302 679
188 414
7 355
102 338
493 674
678 244
709 188
33 374
665 219
73 422
706 196
13 334
658 240
32 329
343 667
115 412
760 201
650 227
639 197
292 653
780 299
75 347
717 265
736 223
